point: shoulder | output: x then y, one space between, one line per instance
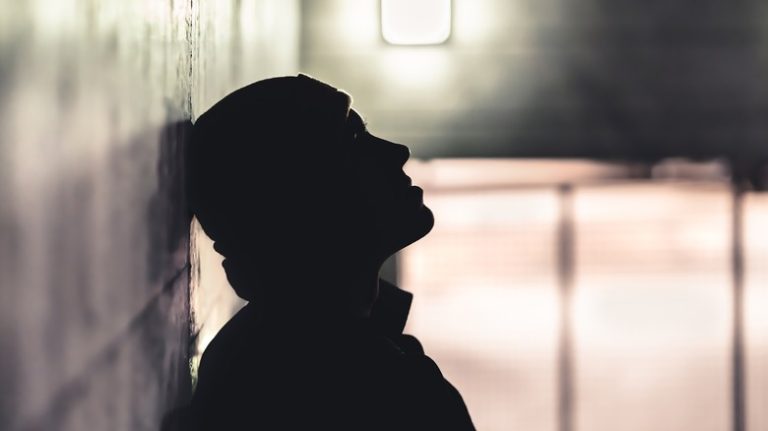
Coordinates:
440 405
229 342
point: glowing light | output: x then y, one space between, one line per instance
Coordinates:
416 22
421 71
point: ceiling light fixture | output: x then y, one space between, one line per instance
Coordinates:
415 22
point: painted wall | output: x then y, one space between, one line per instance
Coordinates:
96 97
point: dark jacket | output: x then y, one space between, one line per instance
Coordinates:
361 375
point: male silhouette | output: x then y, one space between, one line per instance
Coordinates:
306 205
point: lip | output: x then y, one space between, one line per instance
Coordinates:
417 192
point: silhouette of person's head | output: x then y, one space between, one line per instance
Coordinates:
287 181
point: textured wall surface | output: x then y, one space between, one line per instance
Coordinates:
96 97
239 42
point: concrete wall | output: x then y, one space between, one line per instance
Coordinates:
96 97
612 78
240 41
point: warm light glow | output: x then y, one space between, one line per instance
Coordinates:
415 22
650 316
485 298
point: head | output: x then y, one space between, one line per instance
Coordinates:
287 181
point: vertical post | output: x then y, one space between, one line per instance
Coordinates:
737 269
565 270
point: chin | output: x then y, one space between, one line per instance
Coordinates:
427 222
414 228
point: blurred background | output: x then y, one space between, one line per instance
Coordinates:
597 169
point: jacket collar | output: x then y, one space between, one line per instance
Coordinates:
390 312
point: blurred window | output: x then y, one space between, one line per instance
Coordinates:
650 327
756 309
485 303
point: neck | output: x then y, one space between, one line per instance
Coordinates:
323 292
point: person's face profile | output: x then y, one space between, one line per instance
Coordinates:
398 211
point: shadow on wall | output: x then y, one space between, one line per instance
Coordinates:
113 346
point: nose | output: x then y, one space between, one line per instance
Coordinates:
403 153
397 153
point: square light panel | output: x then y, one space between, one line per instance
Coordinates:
415 22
